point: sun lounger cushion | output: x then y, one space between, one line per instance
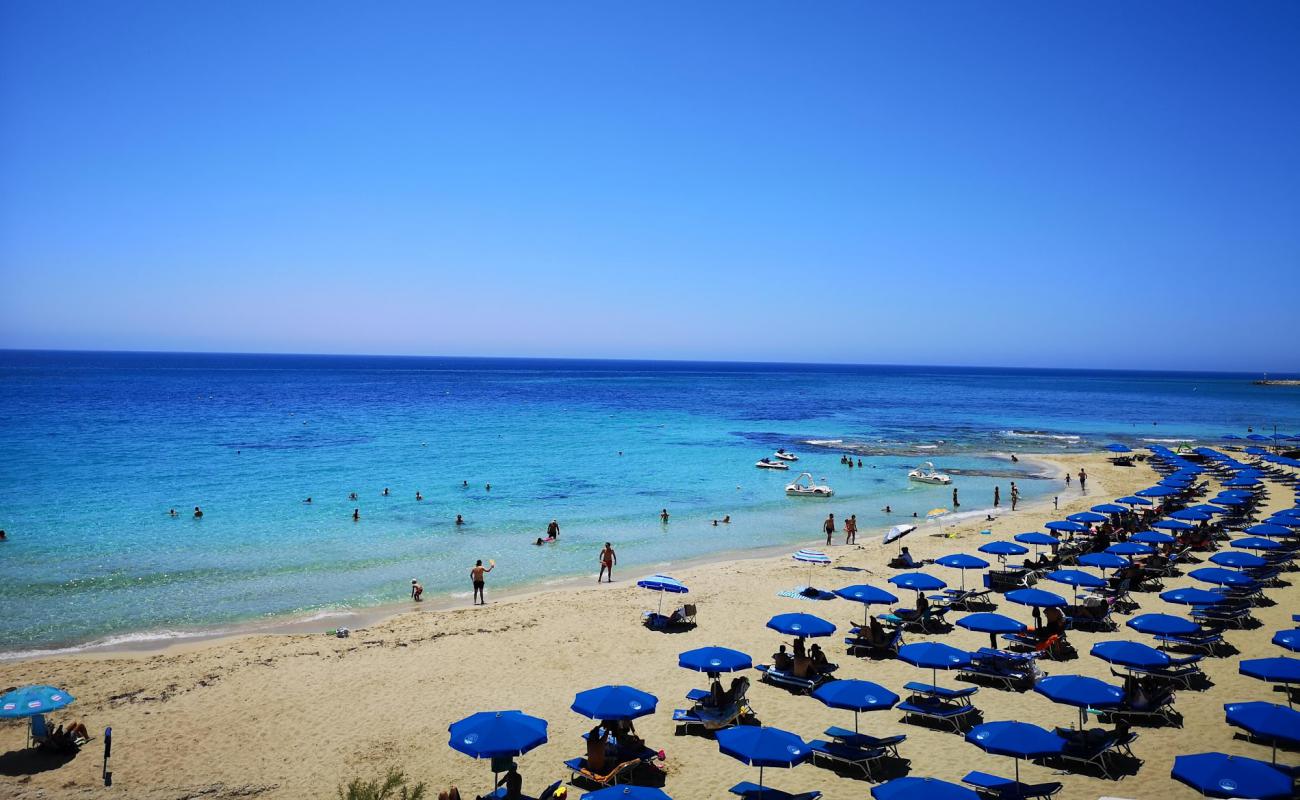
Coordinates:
752 791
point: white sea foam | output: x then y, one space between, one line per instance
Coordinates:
1170 441
823 441
1062 437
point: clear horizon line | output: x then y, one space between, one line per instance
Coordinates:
630 360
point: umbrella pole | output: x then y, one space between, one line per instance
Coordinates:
661 604
1017 770
760 779
855 730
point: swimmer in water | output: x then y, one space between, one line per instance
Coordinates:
726 520
887 510
553 530
198 513
460 520
3 536
464 484
663 516
385 492
715 523
352 495
307 501
419 496
539 541
488 487
172 513
356 514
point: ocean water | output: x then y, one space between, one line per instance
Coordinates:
95 448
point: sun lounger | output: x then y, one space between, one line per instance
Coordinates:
752 791
500 793
1004 580
840 755
858 646
939 706
1158 709
1207 642
608 777
889 743
1097 749
1008 789
1085 617
930 621
1221 617
682 617
967 599
1013 671
702 715
791 681
1054 647
1181 672
962 695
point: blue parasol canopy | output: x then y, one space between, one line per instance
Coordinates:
933 655
1130 549
1220 775
801 625
1109 508
1271 721
1066 525
1221 577
1133 500
856 695
1086 517
1191 515
1238 560
1037 597
1173 525
1162 625
811 557
1152 537
1229 500
1256 543
1103 560
961 561
1015 739
988 622
918 581
627 792
1289 639
1080 691
1268 529
762 747
663 583
1275 669
1192 596
1076 578
1003 549
714 659
1130 654
1035 538
910 788
868 595
497 734
28 701
614 702
1157 491
1116 447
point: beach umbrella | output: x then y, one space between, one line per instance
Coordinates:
1238 560
1257 437
1066 525
1087 517
1229 500
28 701
1103 561
1036 539
1116 447
992 624
1173 525
1157 491
910 788
1162 625
1080 691
663 584
1130 549
627 792
1191 515
1037 598
614 703
1130 654
1221 577
1275 669
936 515
763 747
1238 777
1192 596
714 660
1285 520
1003 549
1109 508
1209 509
1256 543
1268 530
1242 482
1269 721
497 734
1152 537
1076 578
856 696
813 558
917 581
1230 436
898 532
1015 739
934 656
867 596
1133 500
963 562
1289 639
801 625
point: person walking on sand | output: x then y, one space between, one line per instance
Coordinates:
955 504
997 496
1083 480
607 561
1067 479
1015 495
829 527
476 575
851 529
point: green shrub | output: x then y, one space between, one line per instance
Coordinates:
392 787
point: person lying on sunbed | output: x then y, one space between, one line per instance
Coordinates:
782 660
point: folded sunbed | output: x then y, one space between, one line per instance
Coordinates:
889 743
1008 789
841 755
752 791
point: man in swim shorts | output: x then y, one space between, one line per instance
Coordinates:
607 561
476 575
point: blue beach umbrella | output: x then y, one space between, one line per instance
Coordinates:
868 596
992 624
1191 515
1209 509
1238 560
963 562
1037 598
1221 577
1242 482
1130 549
1157 491
1035 538
1080 691
1269 721
1173 525
1087 517
1003 549
1275 669
801 625
1285 520
1269 530
1116 447
813 558
1256 543
917 581
1015 739
934 656
910 788
1162 625
1076 578
1130 654
1152 537
1257 437
1066 525
1289 639
627 792
1229 500
614 702
714 660
763 747
1133 500
1109 508
1103 561
28 701
1192 596
497 734
663 584
1230 437
856 696
1220 775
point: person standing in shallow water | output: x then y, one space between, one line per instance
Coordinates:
829 527
663 516
553 530
955 504
607 561
851 529
997 496
476 574
1015 495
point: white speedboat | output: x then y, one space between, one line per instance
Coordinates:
926 473
784 456
767 463
803 486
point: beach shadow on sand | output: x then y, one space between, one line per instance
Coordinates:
32 761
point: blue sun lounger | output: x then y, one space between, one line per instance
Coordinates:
789 680
752 791
1205 641
936 704
1015 671
1096 748
864 740
858 646
500 793
1008 789
840 755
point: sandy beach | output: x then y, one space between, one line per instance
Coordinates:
294 715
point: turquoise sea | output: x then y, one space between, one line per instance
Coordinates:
95 448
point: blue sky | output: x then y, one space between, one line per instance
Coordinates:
1017 183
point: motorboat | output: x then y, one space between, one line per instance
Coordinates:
926 473
767 463
784 456
803 486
